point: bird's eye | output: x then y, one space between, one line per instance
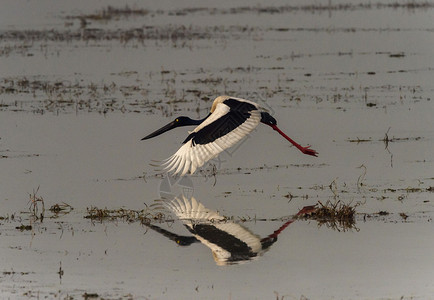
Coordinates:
177 120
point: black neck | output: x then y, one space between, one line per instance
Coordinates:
195 122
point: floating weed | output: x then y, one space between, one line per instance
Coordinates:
409 190
386 139
110 13
115 13
403 216
386 216
60 209
87 295
338 216
13 273
34 207
144 216
383 213
263 168
24 227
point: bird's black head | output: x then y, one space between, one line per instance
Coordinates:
182 121
266 118
186 240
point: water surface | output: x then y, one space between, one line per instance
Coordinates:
81 84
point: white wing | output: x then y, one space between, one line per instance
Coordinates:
191 213
192 156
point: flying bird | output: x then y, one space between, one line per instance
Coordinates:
228 122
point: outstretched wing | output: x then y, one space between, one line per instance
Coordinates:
231 120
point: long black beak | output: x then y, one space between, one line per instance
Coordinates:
168 127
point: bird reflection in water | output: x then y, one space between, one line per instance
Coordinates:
230 242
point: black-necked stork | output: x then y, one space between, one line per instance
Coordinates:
229 121
230 242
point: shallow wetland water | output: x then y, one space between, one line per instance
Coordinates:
81 83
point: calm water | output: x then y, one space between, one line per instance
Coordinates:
81 84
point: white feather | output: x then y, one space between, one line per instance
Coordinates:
190 157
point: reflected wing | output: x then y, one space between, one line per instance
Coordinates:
229 241
231 120
190 209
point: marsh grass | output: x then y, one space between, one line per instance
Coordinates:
144 216
111 13
36 205
335 215
386 139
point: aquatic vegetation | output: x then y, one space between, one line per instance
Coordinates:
60 209
123 214
36 205
338 215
